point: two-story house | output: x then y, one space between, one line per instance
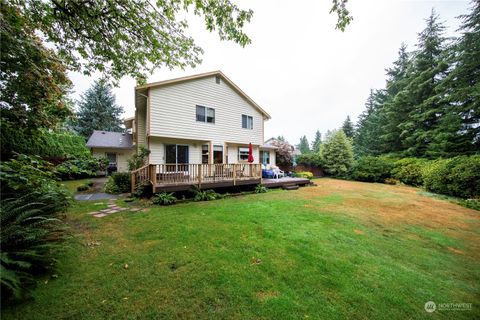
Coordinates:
199 130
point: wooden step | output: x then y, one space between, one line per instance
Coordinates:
290 187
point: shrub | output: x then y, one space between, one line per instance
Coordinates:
206 195
260 189
372 169
409 171
83 187
89 183
29 206
118 182
391 181
164 199
309 159
459 176
77 168
139 159
304 174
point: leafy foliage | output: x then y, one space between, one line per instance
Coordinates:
410 171
77 168
33 79
118 182
164 199
205 195
459 176
260 189
130 37
43 143
372 169
139 159
31 229
284 153
303 174
98 110
311 159
337 154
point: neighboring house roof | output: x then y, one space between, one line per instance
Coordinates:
203 75
108 139
268 145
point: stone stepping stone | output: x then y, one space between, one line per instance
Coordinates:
100 215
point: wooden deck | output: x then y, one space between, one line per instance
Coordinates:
181 177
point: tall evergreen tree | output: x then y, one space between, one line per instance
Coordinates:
98 110
304 147
317 142
458 132
395 110
429 67
368 131
348 128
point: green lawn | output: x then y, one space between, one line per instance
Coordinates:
339 250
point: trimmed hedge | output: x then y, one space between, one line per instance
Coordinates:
304 174
410 171
372 169
459 176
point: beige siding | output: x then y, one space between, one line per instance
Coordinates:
173 113
157 148
233 153
122 156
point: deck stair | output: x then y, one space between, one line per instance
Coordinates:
290 187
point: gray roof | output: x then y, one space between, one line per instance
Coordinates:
108 139
268 145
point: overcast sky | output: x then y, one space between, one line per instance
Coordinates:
301 70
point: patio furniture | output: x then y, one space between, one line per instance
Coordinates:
277 173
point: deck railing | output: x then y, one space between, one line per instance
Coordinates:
194 174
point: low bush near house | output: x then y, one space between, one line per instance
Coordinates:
260 189
164 199
206 195
304 174
409 171
31 229
82 188
77 168
139 159
118 182
372 169
459 176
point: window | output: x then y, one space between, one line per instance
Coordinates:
205 153
242 154
217 79
217 154
112 158
205 114
247 122
265 157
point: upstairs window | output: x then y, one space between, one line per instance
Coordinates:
205 114
247 122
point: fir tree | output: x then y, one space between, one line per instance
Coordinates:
98 111
347 127
458 132
429 67
304 146
366 139
336 154
317 142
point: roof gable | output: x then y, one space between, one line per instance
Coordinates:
204 75
109 139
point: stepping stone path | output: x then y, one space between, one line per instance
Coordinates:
111 208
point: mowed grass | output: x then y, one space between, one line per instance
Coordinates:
335 251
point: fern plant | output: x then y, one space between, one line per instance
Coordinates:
30 236
260 189
207 195
164 199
